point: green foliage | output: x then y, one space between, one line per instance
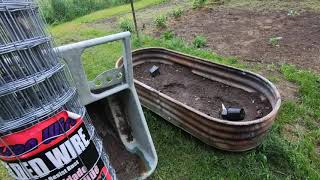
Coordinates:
160 21
309 87
274 79
274 41
198 3
167 35
126 24
199 42
176 13
57 11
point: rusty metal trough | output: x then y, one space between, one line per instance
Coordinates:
222 134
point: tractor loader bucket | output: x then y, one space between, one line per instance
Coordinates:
114 108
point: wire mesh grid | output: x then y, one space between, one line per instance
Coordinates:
72 105
18 104
16 1
19 68
19 21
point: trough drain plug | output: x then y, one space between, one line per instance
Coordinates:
232 113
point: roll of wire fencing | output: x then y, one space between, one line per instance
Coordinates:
45 132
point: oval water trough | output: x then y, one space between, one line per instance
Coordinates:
222 134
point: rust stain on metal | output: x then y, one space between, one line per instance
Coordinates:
222 134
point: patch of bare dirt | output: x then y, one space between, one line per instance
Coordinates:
246 34
292 132
288 90
318 149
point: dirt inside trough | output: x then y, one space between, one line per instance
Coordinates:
200 93
248 34
126 164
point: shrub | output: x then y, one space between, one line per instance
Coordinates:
167 35
160 21
58 11
198 3
175 43
199 42
177 13
126 25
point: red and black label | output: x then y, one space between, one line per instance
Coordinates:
57 148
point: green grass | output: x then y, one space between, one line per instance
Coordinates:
160 21
126 24
69 31
176 13
97 60
199 42
198 3
168 35
288 151
58 11
117 10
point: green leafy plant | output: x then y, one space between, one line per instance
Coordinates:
167 35
274 41
160 21
272 67
293 13
126 25
176 13
198 3
199 42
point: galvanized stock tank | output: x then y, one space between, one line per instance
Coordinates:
219 133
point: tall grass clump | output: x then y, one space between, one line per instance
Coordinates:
176 13
126 24
160 21
198 3
58 11
199 42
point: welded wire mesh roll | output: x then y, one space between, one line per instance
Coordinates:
38 106
69 102
28 64
32 80
18 104
19 21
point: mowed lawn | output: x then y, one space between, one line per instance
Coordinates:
290 151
